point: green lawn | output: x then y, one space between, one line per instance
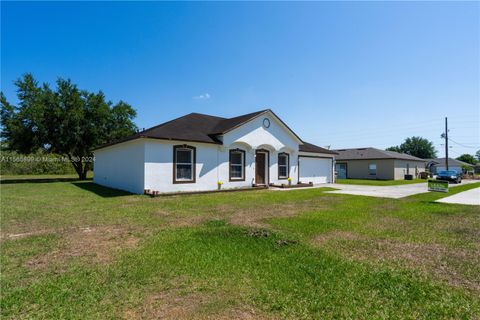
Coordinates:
76 250
370 182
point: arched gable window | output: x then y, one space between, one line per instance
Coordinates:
184 160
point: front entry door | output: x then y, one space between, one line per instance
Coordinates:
260 176
341 169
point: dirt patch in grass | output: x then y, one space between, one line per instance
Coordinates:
244 216
463 227
457 266
387 224
387 205
470 233
89 245
176 304
438 260
256 217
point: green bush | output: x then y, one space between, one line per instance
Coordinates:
34 163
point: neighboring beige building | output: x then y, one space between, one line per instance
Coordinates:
372 163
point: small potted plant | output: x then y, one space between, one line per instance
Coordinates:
219 184
289 181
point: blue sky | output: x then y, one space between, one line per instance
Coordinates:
340 74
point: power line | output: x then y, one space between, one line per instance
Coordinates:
386 130
413 125
427 128
463 145
457 153
419 130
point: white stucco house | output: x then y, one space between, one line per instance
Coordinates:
197 151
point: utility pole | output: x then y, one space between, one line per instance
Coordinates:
446 143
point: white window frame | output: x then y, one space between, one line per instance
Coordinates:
191 164
241 165
286 165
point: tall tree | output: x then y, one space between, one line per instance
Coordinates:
416 146
66 121
468 158
477 154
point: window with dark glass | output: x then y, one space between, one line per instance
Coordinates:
237 164
184 164
372 169
283 165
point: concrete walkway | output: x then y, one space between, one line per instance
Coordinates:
471 197
394 192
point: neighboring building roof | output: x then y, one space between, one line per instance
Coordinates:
372 153
308 147
440 162
196 127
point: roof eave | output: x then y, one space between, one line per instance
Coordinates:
258 115
156 138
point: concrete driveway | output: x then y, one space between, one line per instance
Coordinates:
471 197
394 192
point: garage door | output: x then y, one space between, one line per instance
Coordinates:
315 170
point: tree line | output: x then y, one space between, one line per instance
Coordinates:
424 149
71 122
64 120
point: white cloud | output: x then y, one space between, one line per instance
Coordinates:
204 96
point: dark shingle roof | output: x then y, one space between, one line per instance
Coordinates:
191 127
372 153
308 147
196 127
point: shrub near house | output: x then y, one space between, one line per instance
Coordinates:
12 163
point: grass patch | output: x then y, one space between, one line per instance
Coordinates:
257 254
289 281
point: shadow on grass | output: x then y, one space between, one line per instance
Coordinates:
39 180
101 190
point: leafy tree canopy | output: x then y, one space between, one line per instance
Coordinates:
394 148
478 155
417 147
468 158
64 120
